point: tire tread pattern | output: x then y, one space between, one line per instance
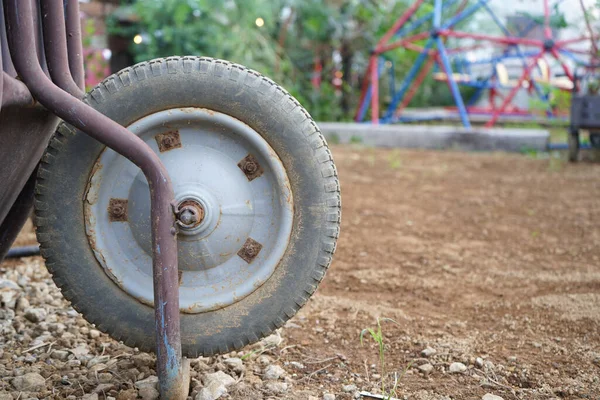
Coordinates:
222 70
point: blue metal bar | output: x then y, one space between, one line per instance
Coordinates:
493 60
574 58
565 146
393 77
464 116
437 14
418 22
414 70
476 96
463 14
365 105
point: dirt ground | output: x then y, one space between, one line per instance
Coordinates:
490 260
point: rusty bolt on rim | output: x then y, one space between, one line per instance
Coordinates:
190 214
250 167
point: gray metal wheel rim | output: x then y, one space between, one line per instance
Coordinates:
218 264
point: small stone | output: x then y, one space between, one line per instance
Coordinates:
426 368
273 372
91 396
297 365
148 393
129 394
234 363
22 304
479 362
73 363
151 381
8 284
276 387
457 368
31 382
328 396
36 314
212 391
97 360
428 352
489 396
264 360
273 340
143 360
220 377
349 388
61 355
94 334
103 388
488 365
512 359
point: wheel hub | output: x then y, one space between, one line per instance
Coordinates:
190 214
234 209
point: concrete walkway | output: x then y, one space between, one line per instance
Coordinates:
437 137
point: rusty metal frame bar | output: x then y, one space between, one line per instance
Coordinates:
13 92
21 24
55 45
75 43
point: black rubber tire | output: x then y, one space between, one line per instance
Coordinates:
224 87
573 142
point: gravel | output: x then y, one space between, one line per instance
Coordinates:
426 368
457 368
273 372
428 352
31 382
489 396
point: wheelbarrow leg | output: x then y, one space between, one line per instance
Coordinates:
172 369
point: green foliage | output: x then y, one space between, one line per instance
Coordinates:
295 36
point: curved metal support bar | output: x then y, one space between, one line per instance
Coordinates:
75 43
55 45
1 80
171 368
15 92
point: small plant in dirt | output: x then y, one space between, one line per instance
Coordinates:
377 335
394 160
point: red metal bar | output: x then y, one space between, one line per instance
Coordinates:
405 17
365 87
495 39
415 86
564 66
375 92
575 51
514 90
583 38
402 42
547 29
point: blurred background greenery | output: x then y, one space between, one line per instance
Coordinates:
318 50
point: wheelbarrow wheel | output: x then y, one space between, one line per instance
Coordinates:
237 147
573 143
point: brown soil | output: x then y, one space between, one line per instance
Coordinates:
488 256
